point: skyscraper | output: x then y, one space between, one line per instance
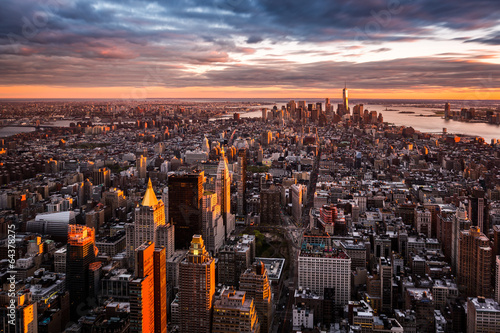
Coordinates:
357 112
81 252
164 198
497 279
474 262
385 272
206 145
242 183
477 209
212 224
460 222
149 225
223 190
319 106
315 113
270 206
148 217
255 282
197 288
148 290
142 291
160 289
447 110
185 206
296 202
141 164
291 107
345 99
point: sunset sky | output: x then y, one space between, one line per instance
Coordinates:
447 49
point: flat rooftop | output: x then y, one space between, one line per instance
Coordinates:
485 304
320 252
274 267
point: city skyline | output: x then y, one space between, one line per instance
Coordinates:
232 48
335 217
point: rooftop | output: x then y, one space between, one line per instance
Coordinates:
306 293
150 196
274 267
323 252
420 294
484 304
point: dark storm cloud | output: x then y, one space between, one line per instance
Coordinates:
329 20
313 20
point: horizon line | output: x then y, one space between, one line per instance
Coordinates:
234 98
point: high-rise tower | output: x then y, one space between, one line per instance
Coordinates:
385 272
149 225
255 282
148 217
223 190
160 289
142 290
212 224
141 165
474 262
497 279
81 253
328 106
447 111
242 184
344 98
297 192
197 288
184 206
148 290
270 206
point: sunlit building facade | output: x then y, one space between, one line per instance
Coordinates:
234 312
255 282
80 254
197 288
